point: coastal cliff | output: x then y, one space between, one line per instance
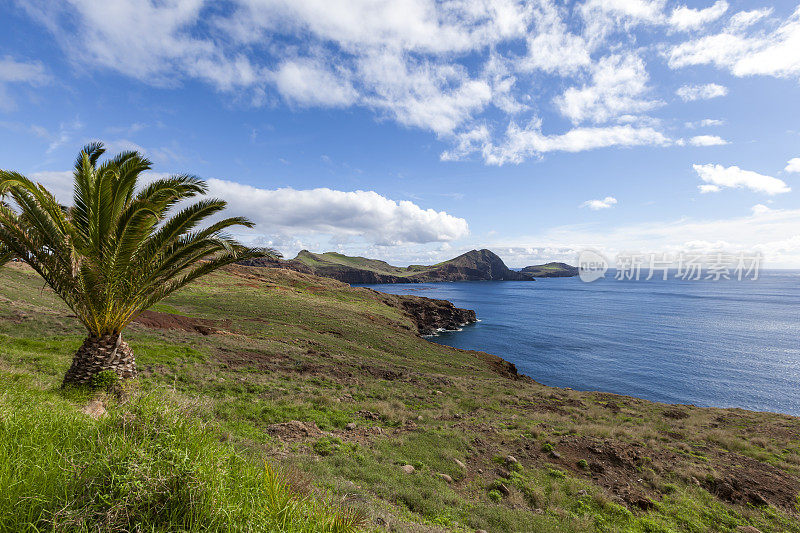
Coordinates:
429 315
432 315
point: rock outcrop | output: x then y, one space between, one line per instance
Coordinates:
431 315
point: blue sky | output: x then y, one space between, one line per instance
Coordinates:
413 130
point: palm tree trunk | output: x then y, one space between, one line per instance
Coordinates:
108 352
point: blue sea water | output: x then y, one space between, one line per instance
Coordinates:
708 343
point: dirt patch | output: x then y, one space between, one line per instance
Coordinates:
675 414
204 326
294 430
616 466
16 317
744 480
619 467
95 409
385 373
260 360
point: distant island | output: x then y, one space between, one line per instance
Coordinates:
551 270
475 265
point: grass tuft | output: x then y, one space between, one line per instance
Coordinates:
144 466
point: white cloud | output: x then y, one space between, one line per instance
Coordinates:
760 209
685 18
604 18
364 214
689 93
605 203
414 25
718 177
12 71
521 143
744 19
498 71
776 53
707 140
424 94
705 123
551 47
150 41
599 15
773 232
619 83
643 10
307 82
57 182
65 134
793 165
461 69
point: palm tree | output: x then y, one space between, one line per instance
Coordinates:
5 253
118 250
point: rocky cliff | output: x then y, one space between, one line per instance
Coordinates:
431 315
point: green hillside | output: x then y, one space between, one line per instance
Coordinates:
362 420
335 259
470 266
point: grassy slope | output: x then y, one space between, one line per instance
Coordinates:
314 350
549 266
333 260
144 466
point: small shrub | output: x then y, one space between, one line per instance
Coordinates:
583 465
669 488
326 445
547 447
496 484
105 380
495 495
556 473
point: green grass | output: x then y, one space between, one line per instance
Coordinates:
333 258
333 261
319 352
146 466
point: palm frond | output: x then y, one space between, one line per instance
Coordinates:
119 248
5 254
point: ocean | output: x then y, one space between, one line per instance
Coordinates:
708 343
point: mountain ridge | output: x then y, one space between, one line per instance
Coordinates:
475 265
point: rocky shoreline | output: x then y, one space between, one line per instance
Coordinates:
429 315
432 315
